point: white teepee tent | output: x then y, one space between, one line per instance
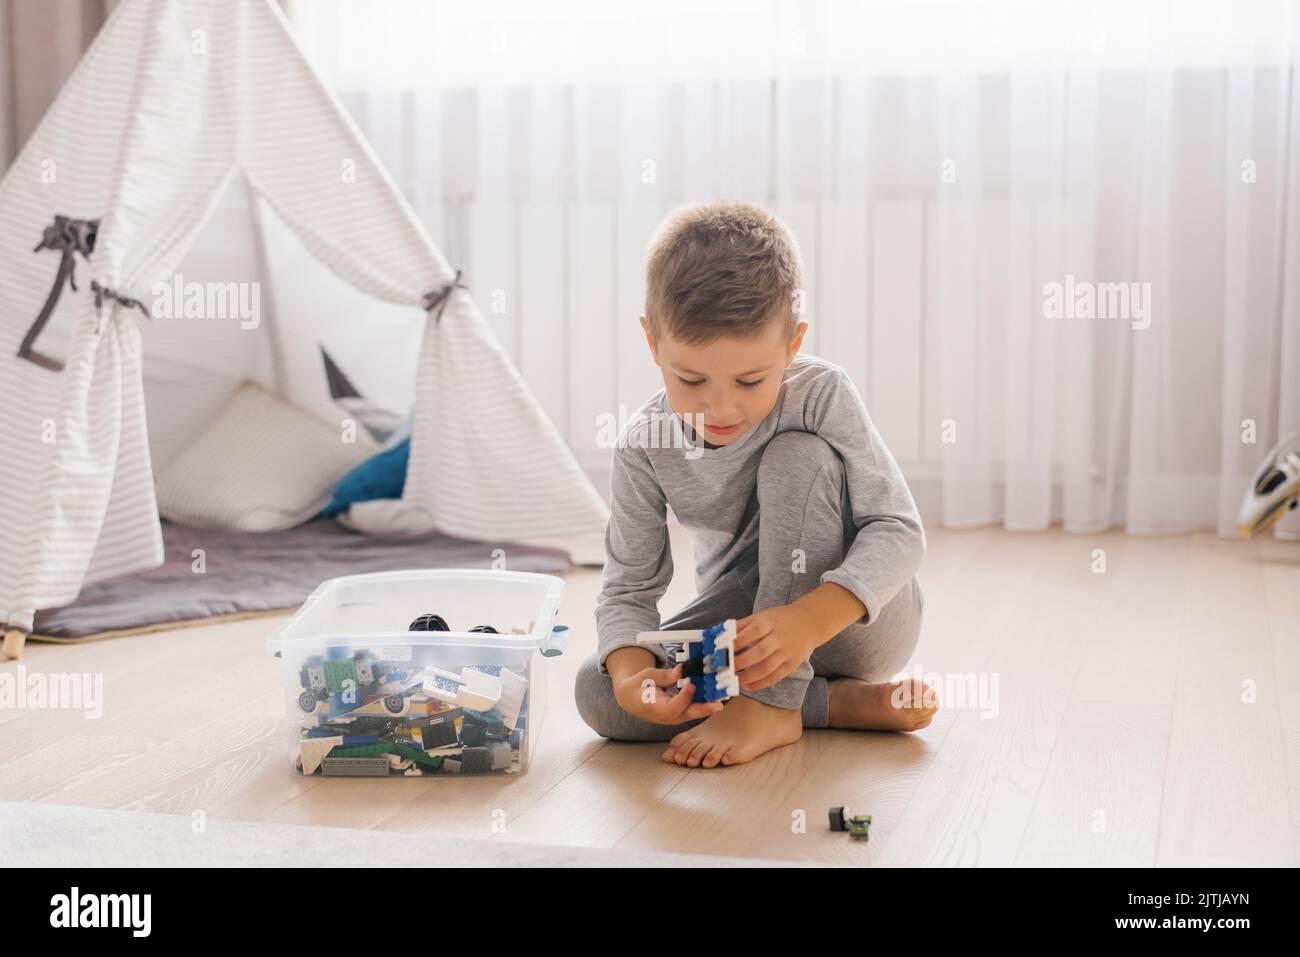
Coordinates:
183 116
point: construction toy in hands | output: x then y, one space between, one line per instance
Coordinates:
707 657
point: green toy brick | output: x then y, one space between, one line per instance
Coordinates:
403 751
860 827
338 671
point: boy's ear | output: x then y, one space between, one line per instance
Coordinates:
796 342
649 339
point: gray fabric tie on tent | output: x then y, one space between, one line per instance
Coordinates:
438 300
103 292
68 236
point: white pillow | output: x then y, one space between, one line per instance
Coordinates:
261 465
392 519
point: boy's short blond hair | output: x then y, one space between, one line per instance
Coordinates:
725 268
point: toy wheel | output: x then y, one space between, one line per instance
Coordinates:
394 704
484 629
429 623
307 701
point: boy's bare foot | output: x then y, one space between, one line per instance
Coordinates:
907 705
740 732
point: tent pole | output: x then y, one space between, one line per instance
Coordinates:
13 643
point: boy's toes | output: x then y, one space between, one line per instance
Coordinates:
916 694
714 757
673 751
681 747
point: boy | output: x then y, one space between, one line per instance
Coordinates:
803 527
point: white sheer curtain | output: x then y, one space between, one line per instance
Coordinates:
969 181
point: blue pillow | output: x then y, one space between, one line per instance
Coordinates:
380 476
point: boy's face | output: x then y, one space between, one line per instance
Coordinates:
732 384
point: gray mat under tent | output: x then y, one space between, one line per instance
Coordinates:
248 574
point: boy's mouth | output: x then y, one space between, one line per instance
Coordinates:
721 429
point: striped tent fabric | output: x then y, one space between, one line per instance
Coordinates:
175 101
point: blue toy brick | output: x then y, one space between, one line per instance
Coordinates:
338 652
714 630
701 689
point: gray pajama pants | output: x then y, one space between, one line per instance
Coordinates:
802 505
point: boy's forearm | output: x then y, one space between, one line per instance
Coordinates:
628 660
831 608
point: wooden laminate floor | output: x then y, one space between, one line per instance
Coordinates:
1149 715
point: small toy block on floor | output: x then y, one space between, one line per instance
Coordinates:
858 825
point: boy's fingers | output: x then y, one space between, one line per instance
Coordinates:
751 633
681 702
704 709
664 677
767 682
751 656
752 677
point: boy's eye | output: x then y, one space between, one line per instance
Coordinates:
689 381
748 385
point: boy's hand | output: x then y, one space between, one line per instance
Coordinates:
772 643
652 694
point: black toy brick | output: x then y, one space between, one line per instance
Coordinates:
438 735
473 732
476 760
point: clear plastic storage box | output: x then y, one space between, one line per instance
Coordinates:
366 696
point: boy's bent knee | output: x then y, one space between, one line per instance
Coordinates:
795 459
898 631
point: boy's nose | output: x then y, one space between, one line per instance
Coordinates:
721 415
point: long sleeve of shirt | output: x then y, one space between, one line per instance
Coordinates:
890 543
638 559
